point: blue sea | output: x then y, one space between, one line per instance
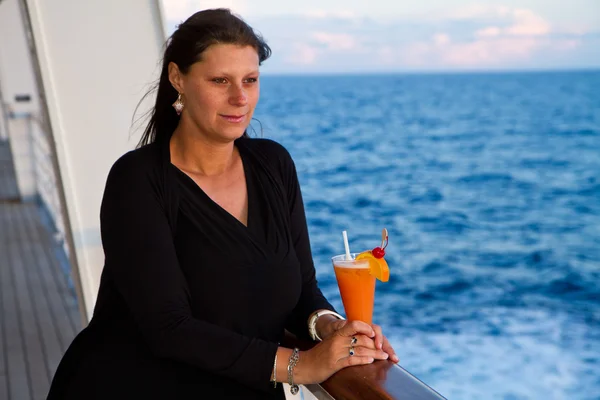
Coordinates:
489 185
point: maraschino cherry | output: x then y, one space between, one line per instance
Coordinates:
379 252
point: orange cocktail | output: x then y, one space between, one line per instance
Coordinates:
357 287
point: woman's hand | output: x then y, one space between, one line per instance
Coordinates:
381 343
334 352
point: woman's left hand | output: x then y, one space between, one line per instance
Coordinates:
381 342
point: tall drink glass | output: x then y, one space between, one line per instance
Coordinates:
357 287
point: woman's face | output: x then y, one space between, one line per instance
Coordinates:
219 92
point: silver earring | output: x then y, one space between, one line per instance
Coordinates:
178 105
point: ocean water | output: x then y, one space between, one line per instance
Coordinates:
489 185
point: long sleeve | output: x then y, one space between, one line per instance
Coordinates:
142 262
311 298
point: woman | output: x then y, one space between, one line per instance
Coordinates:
208 259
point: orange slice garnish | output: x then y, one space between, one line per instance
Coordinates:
378 267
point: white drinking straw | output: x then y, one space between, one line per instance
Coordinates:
347 246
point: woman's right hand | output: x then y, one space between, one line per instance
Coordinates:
333 353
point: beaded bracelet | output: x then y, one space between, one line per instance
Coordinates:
292 363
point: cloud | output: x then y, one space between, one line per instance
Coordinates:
335 41
483 52
490 31
320 44
509 21
574 30
515 36
416 54
386 55
180 10
477 11
441 39
567 44
489 52
480 52
478 37
528 23
522 35
322 14
302 54
514 21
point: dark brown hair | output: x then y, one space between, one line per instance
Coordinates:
184 48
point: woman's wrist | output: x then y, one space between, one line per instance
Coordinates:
283 356
299 370
325 325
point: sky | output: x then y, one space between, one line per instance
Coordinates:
354 36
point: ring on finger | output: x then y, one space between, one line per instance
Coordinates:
351 351
353 341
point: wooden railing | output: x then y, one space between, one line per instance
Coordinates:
382 380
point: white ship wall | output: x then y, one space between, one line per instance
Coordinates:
93 76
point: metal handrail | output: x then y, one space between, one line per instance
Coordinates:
381 380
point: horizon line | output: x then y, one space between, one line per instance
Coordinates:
436 71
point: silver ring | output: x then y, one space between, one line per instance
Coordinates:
351 351
353 341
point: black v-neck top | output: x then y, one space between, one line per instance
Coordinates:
192 303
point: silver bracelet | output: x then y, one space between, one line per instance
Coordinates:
275 372
292 363
312 323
